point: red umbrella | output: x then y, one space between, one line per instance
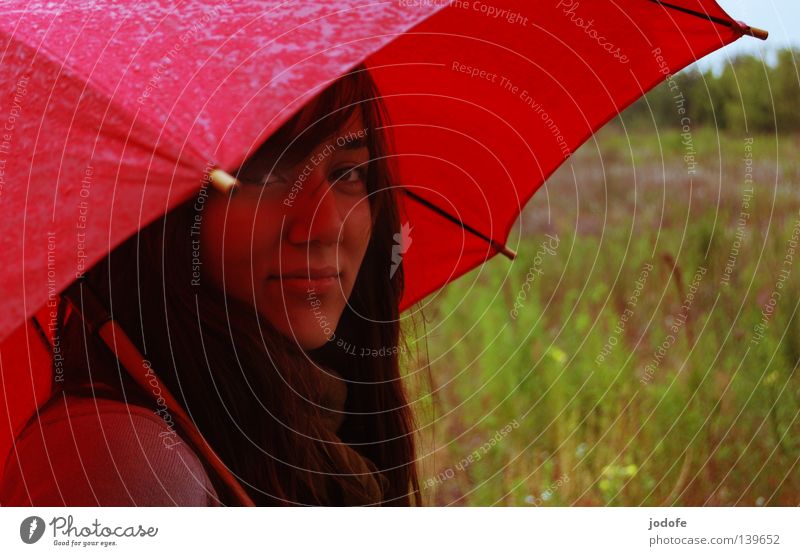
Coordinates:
113 114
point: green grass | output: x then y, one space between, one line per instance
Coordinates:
718 421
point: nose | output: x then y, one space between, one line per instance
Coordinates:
315 218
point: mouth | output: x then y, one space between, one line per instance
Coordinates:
308 280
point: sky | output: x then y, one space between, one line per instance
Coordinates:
780 17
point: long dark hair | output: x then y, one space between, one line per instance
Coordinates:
252 392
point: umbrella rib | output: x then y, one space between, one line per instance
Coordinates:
225 182
42 334
500 247
737 25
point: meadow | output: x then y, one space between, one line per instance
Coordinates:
642 349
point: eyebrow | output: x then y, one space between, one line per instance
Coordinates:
354 143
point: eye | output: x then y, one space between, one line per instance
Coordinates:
349 174
275 178
257 180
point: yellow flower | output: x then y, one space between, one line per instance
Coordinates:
556 354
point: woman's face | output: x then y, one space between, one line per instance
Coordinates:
292 244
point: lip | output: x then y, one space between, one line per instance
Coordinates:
308 281
312 273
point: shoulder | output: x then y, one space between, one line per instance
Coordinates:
101 452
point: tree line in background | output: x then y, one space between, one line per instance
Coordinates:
749 95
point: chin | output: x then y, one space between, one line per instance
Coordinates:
308 327
307 333
312 343
309 337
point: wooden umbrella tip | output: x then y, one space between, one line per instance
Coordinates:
745 29
758 33
507 251
222 180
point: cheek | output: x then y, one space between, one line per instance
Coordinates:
357 232
236 239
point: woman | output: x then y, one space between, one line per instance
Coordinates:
260 310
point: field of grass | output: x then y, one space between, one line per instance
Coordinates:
647 356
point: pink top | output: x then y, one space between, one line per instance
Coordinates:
101 452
